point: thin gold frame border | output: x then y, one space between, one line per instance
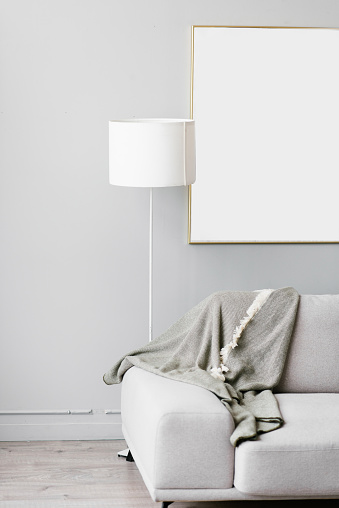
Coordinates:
250 242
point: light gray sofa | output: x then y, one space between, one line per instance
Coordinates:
179 434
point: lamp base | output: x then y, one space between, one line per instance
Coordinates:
123 453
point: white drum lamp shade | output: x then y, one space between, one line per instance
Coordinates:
151 152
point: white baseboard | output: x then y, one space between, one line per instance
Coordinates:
60 425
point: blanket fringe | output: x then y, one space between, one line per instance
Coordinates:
217 372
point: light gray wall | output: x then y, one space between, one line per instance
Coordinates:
74 250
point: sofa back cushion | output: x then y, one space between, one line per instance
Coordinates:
312 363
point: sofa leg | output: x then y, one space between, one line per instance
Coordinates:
129 457
165 504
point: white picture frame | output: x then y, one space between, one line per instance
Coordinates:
265 101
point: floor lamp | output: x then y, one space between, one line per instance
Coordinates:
156 152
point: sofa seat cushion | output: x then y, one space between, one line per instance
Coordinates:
299 459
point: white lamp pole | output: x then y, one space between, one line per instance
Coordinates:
150 285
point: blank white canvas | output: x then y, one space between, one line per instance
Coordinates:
266 106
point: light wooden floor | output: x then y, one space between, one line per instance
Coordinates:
87 474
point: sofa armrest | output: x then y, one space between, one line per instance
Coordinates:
178 433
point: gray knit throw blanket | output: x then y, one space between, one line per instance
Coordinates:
233 343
